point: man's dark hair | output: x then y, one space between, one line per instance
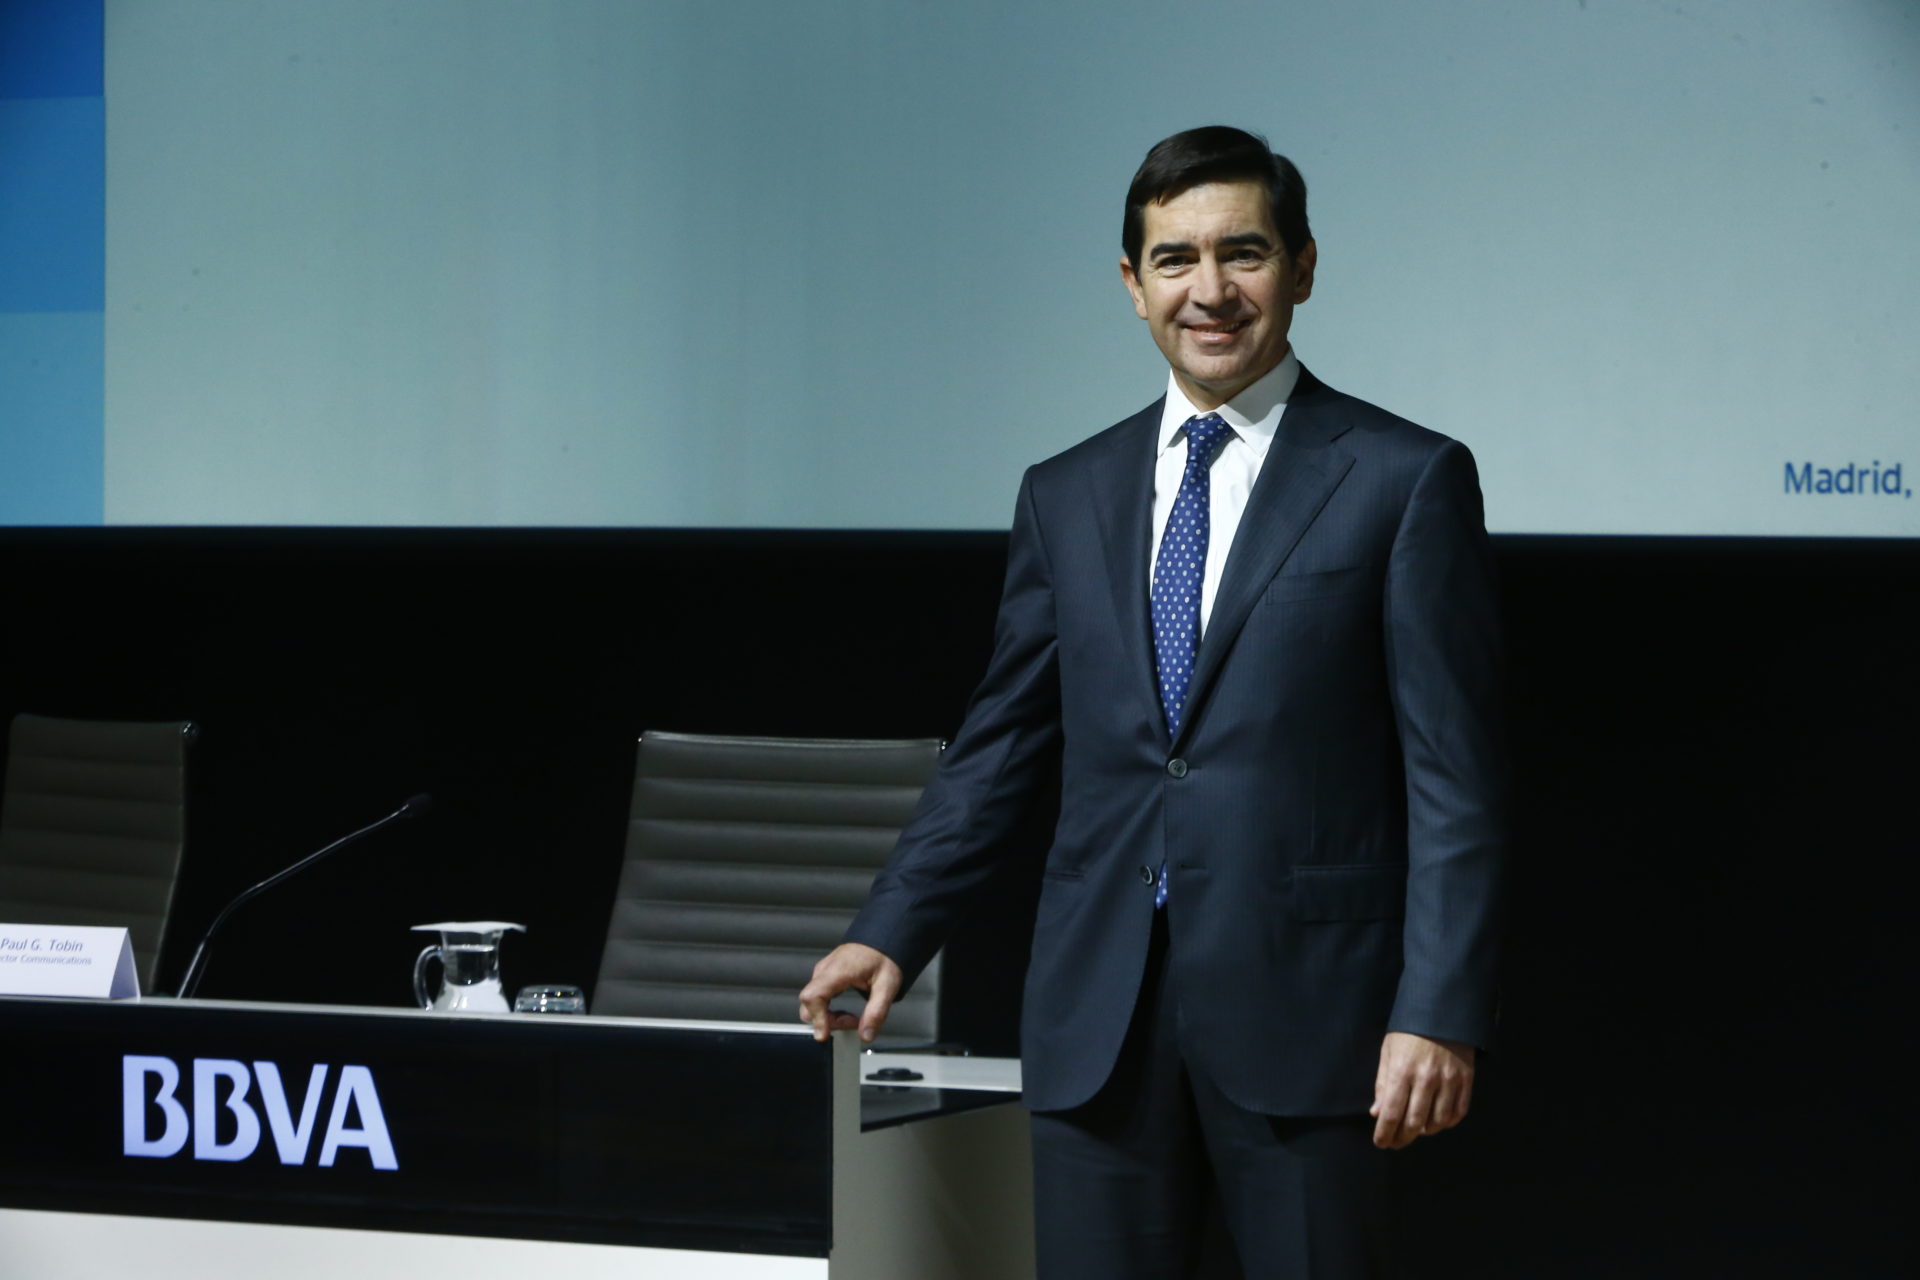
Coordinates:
1217 153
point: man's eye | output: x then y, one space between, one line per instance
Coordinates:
1172 264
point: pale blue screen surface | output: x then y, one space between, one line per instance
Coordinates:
854 264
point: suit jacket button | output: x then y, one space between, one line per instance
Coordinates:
1146 875
1177 767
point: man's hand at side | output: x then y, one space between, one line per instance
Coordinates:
1423 1087
851 966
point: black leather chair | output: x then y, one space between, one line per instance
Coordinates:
92 825
746 860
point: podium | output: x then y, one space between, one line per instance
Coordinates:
206 1139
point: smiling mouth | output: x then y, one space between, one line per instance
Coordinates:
1217 334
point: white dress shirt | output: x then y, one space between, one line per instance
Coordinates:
1253 416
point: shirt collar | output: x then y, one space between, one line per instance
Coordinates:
1254 414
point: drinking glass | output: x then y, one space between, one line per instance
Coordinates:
550 998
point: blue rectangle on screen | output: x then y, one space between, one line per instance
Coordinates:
53 219
52 434
50 48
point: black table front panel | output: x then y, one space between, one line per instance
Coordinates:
542 1128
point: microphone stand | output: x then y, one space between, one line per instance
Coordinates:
196 968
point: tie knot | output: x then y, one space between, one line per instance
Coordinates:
1205 432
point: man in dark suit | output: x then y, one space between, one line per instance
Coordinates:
1256 626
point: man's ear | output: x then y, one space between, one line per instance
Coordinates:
1132 280
1303 266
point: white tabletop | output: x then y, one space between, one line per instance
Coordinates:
945 1071
795 1028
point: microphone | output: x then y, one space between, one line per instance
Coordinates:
415 807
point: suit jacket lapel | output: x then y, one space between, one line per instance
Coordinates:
1302 469
1122 498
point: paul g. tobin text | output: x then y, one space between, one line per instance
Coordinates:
21 950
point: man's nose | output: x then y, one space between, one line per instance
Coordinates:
1211 287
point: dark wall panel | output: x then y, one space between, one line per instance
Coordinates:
1704 1029
334 673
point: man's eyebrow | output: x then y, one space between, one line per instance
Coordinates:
1251 239
1242 239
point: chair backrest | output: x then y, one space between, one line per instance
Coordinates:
746 860
92 825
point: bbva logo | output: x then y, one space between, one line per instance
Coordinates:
291 1138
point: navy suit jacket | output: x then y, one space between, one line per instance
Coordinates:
1331 811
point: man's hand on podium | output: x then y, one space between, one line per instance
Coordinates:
851 966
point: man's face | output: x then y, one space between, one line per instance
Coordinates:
1216 287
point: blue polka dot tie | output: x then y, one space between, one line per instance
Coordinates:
1177 574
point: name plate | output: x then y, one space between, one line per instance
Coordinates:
67 960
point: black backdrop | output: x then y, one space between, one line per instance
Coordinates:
1707 1045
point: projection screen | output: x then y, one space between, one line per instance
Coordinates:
759 263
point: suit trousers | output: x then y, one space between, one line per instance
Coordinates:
1124 1184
